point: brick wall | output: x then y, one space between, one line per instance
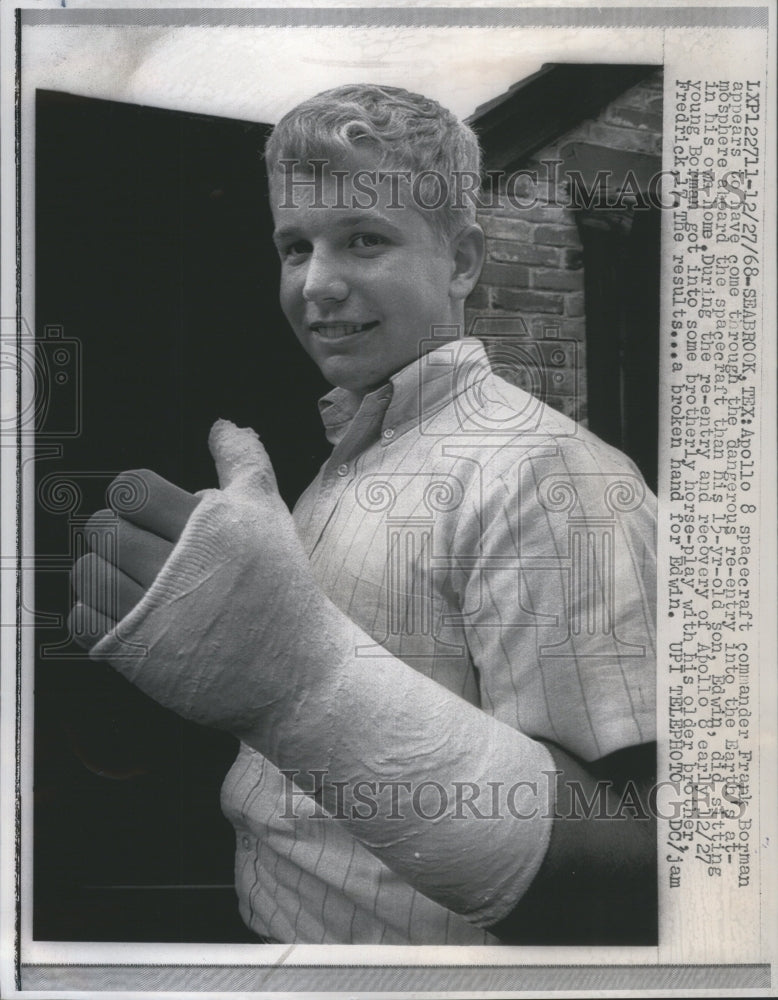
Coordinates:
534 262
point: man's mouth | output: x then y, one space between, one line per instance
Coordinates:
337 331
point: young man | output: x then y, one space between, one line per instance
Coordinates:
441 667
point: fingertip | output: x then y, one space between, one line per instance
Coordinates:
77 575
87 626
221 424
100 532
225 434
238 454
129 491
147 500
100 520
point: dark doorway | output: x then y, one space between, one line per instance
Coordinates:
621 280
156 313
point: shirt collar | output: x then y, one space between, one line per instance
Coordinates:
416 391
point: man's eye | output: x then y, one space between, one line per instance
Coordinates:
368 241
297 249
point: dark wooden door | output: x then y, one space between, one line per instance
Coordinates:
621 276
156 313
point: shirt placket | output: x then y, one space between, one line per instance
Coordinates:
339 471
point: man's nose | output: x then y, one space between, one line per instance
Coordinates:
324 279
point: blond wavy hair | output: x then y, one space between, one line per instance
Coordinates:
406 131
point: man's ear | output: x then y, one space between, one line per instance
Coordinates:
468 249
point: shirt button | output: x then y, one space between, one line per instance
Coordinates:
246 841
389 433
343 470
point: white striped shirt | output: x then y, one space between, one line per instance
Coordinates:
497 547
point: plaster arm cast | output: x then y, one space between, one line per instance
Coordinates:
239 636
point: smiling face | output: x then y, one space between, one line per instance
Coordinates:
362 287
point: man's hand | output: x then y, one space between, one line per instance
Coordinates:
128 549
201 600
